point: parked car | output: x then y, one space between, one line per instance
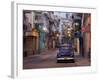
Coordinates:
66 53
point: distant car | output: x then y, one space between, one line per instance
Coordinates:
66 53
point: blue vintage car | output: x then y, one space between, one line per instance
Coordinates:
66 53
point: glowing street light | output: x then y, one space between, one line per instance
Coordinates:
57 35
45 29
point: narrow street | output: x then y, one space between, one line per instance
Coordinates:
48 58
52 30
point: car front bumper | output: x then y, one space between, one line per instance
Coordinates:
65 59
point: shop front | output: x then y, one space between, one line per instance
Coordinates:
30 42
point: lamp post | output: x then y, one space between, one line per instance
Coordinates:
57 37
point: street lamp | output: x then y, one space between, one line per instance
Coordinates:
45 29
57 35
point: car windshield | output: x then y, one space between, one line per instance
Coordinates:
63 47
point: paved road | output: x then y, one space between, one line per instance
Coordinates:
47 59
